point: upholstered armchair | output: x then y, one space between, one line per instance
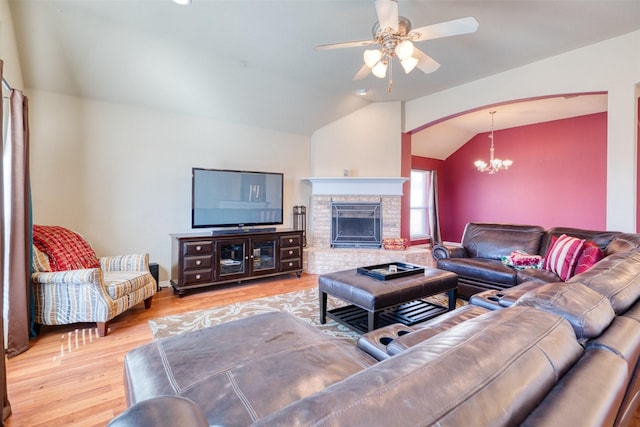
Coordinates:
71 284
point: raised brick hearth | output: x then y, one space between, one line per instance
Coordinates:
320 258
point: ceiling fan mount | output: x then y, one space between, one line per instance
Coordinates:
395 37
403 29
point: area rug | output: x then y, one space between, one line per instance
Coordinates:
302 304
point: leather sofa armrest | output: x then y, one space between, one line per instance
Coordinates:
445 251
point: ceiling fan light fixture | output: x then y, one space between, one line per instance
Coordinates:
409 64
372 57
379 70
404 50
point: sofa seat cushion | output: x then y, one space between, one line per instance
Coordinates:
469 381
617 277
481 269
535 275
589 312
243 370
121 283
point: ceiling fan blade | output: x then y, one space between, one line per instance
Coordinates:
446 29
387 11
426 63
362 73
345 44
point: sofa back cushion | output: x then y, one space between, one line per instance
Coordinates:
589 312
600 238
497 240
65 249
617 277
623 242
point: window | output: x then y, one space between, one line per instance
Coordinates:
420 204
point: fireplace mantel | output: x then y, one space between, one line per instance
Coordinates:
355 185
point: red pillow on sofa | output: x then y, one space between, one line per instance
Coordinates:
66 250
590 255
563 255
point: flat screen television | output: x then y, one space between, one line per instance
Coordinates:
231 198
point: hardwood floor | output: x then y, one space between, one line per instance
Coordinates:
72 377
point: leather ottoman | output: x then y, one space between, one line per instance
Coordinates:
377 296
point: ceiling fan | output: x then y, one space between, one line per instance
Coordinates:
395 37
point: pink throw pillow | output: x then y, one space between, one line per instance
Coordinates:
590 255
563 255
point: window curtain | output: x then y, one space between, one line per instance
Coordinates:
434 220
15 244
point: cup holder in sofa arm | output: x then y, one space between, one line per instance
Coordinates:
375 342
487 299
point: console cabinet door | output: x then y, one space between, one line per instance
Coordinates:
263 257
233 258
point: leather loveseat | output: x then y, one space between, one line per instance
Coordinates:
477 260
562 354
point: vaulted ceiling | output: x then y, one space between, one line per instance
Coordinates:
253 62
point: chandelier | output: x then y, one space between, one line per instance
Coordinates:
494 164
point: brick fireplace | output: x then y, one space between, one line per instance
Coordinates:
320 257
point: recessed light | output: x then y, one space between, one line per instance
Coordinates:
182 2
362 92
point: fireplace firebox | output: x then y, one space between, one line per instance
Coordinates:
356 225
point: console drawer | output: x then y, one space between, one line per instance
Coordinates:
287 253
200 276
197 248
197 262
291 240
290 264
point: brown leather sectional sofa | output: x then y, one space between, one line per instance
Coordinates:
477 260
556 354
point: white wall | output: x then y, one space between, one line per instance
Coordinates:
122 175
366 142
8 48
612 65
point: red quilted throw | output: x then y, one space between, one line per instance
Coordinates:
66 250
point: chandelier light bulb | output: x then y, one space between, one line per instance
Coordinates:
372 57
404 50
379 70
409 64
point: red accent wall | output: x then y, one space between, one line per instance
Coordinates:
558 178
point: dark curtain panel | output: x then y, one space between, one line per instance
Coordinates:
6 406
434 219
18 270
